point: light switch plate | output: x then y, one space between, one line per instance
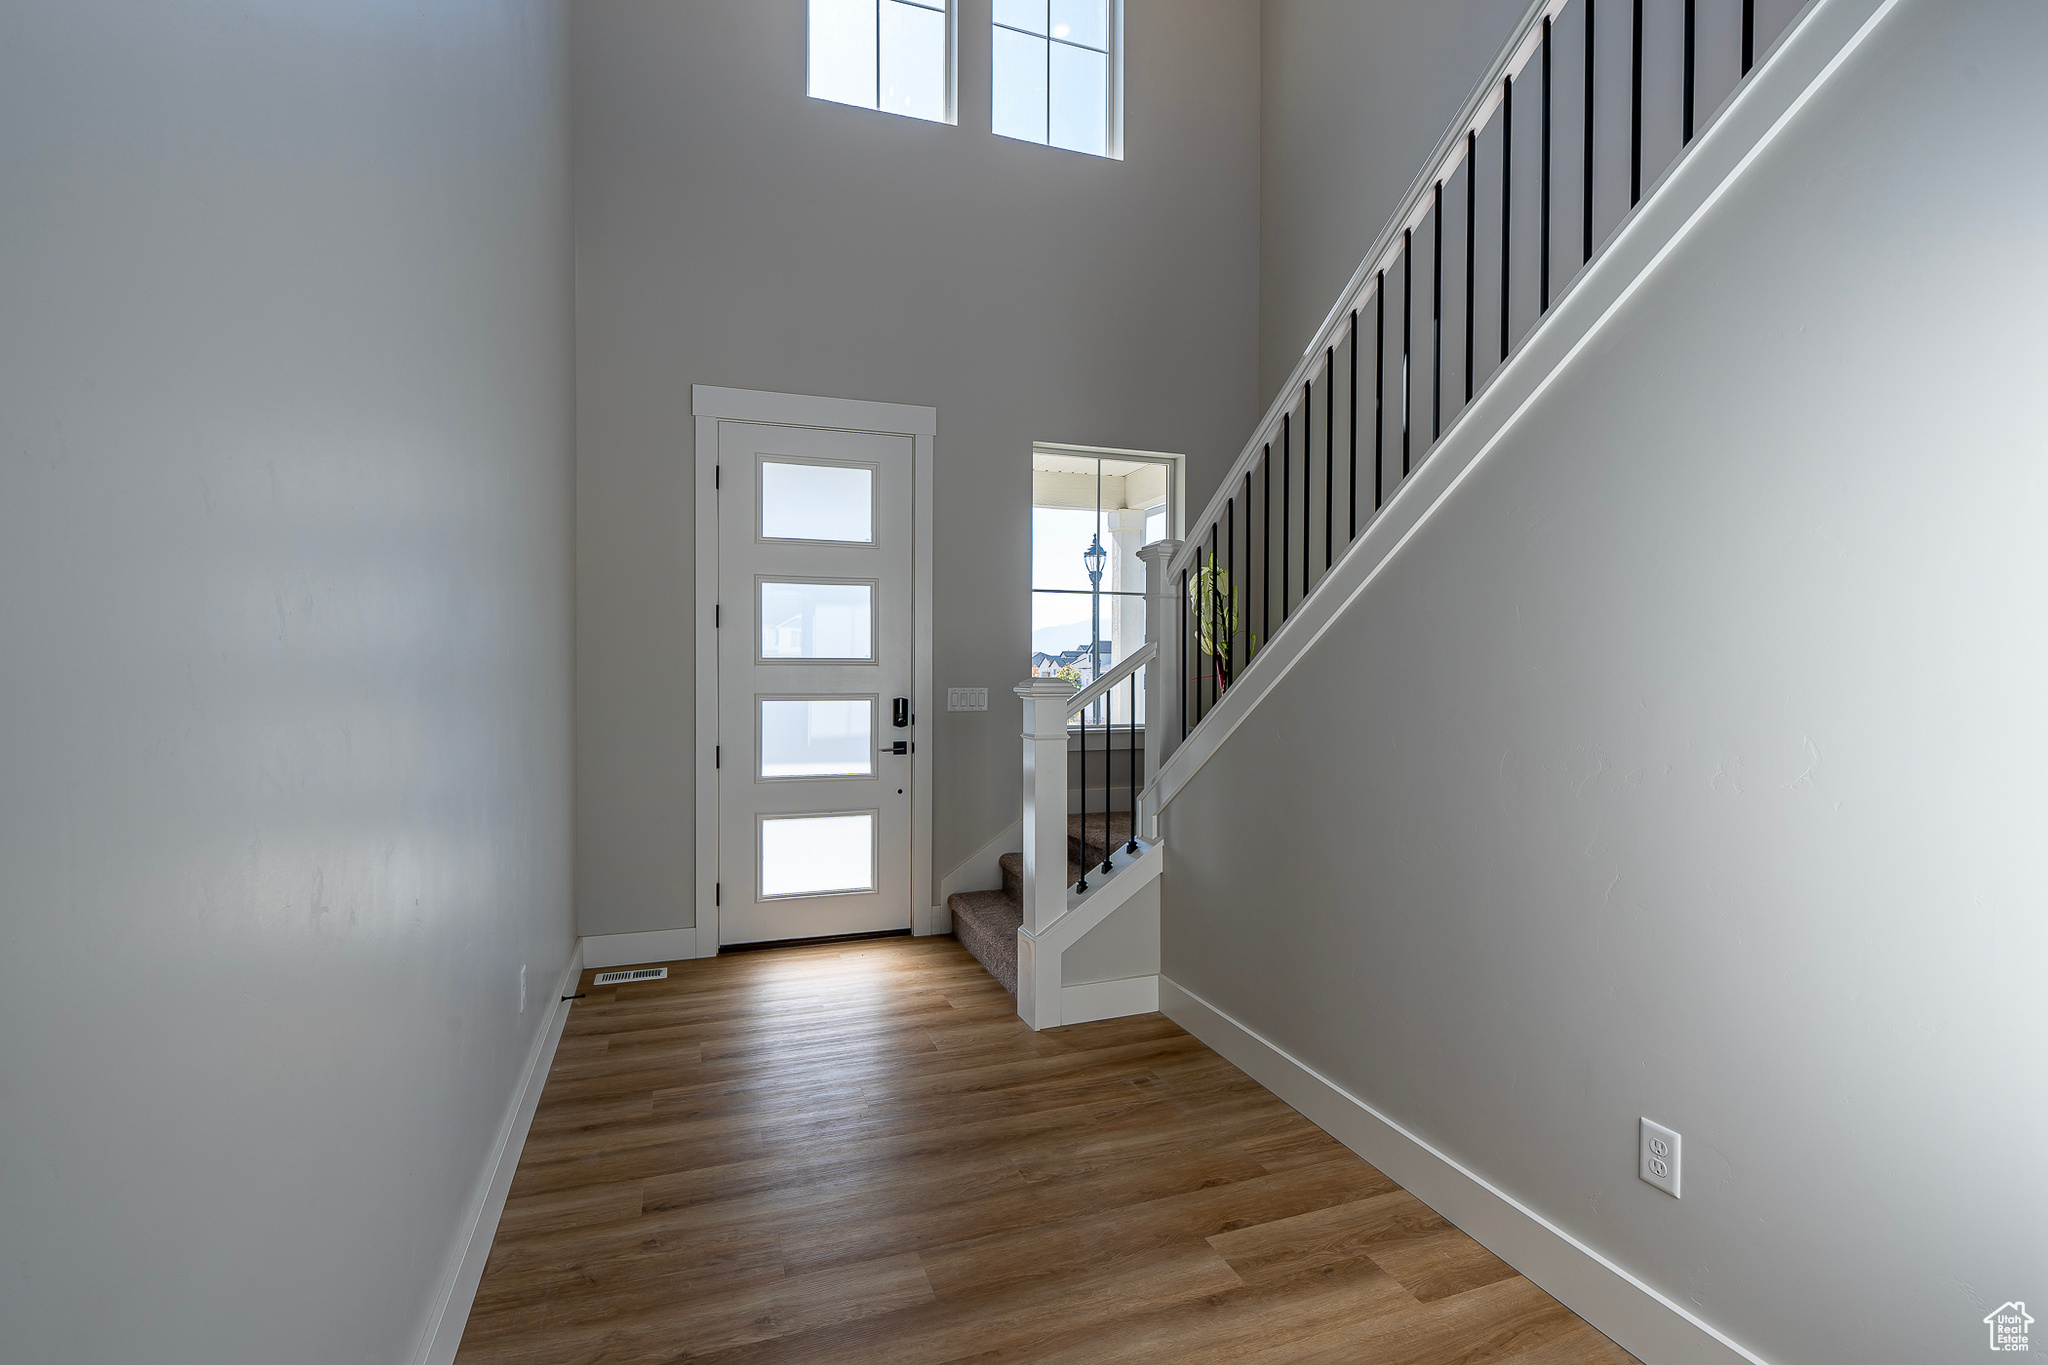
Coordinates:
967 699
1658 1157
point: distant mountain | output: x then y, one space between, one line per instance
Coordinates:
1055 639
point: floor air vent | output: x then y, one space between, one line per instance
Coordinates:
639 974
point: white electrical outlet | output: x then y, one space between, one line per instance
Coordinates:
967 699
522 988
1658 1163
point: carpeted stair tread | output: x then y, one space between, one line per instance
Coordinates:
986 922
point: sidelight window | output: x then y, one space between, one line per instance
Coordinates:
1090 513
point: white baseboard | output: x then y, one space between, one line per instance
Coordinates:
1643 1321
631 950
443 1332
1094 1000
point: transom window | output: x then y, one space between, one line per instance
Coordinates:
892 55
1056 73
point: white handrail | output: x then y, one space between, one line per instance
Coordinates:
1450 150
1096 690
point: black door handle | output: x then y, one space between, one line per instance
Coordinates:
901 746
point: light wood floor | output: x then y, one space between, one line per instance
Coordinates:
858 1153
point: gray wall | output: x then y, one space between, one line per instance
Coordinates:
732 231
285 425
1688 763
1354 95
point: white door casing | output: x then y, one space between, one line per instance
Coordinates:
783 717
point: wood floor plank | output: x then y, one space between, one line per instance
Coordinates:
1328 1237
1437 1266
849 1153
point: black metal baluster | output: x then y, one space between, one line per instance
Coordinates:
1379 393
1407 335
1471 245
1587 188
1507 199
1329 454
1436 318
1286 501
1244 598
1748 35
1635 110
1183 657
1308 477
1108 783
1266 548
1082 884
1230 558
1307 481
1194 614
1543 228
1351 483
1215 647
1690 35
1131 763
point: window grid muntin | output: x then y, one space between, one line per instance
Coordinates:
1112 83
949 94
1099 458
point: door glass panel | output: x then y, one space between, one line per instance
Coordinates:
817 502
817 855
817 737
817 620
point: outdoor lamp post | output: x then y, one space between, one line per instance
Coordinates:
1097 559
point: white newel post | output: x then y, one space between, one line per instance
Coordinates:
1045 841
1163 616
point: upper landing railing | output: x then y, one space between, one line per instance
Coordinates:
1589 104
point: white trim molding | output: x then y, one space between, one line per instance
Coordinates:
457 1292
1643 1321
710 405
1802 62
802 410
1042 995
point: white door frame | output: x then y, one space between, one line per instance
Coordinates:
709 406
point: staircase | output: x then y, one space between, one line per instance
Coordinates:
986 922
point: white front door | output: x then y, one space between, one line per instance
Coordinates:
814 682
